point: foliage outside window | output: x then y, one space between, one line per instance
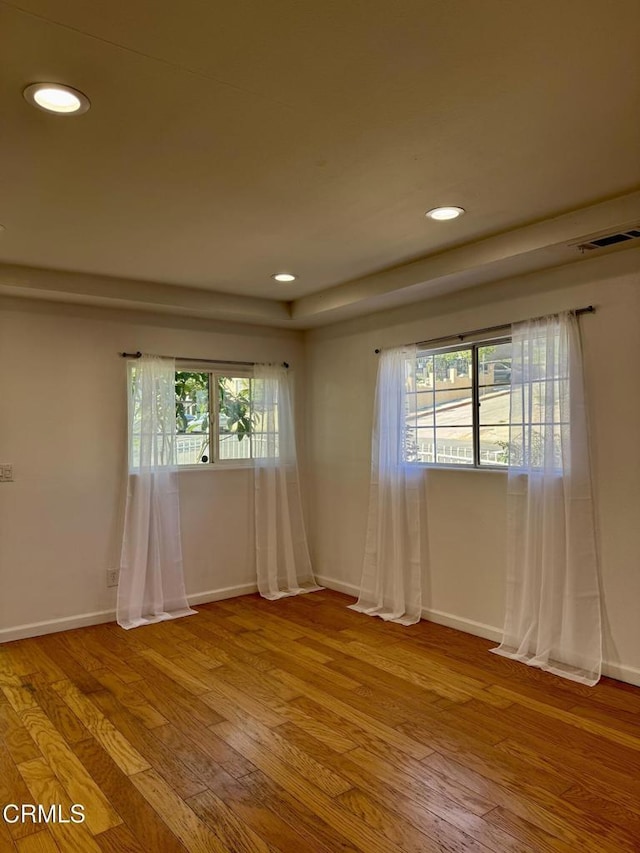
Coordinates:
216 421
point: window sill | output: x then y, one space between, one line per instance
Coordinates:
488 468
217 466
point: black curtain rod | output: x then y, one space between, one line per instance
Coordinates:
588 310
202 360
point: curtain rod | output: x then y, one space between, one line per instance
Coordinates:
138 354
588 310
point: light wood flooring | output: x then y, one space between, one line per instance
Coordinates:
303 727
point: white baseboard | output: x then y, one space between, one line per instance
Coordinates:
52 626
621 672
221 594
467 626
67 623
338 586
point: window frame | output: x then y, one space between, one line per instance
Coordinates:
474 347
215 372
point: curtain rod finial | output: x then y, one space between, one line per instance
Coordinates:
377 351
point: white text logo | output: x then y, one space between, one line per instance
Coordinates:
55 813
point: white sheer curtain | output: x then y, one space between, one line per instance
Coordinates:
391 585
553 597
282 556
151 587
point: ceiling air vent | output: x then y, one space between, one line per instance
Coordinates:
604 240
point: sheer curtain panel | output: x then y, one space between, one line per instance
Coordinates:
282 556
391 585
553 619
151 586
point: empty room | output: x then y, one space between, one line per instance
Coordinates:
319 483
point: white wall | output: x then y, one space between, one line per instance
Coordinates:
465 585
63 427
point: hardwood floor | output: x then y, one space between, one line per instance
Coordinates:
303 727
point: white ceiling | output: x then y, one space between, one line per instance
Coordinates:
228 141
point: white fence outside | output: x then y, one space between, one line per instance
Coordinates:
450 455
191 448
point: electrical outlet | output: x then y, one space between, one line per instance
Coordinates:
6 473
112 577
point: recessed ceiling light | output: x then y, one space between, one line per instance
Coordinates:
55 98
441 214
284 276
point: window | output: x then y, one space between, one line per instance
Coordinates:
216 422
458 405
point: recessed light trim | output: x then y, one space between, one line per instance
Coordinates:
56 99
444 214
284 276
